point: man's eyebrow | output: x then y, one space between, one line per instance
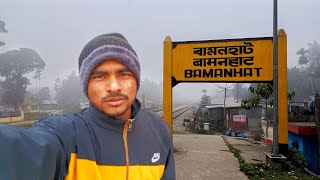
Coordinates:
95 72
123 70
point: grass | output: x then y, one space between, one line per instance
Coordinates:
251 141
25 125
35 116
265 171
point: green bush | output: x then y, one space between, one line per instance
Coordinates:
247 168
286 165
257 136
202 131
296 158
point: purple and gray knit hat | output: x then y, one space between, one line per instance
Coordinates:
105 47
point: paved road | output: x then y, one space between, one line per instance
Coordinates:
204 157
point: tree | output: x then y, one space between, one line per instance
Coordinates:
14 65
2 30
41 95
151 90
240 91
302 84
310 59
68 93
262 91
205 100
291 95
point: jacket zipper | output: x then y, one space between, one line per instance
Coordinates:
125 140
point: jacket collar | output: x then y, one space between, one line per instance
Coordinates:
101 119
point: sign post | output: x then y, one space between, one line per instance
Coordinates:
167 83
247 60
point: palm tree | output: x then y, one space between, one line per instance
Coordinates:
310 59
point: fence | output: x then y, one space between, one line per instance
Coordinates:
11 116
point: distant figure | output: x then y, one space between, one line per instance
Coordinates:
112 139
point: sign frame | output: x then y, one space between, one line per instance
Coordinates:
169 81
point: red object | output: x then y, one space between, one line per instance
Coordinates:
303 128
239 123
266 141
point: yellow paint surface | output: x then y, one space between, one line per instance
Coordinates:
261 65
167 88
282 88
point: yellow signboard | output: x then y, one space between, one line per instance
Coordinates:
234 60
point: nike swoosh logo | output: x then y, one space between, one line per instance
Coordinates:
155 158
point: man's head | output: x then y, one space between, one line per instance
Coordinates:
110 74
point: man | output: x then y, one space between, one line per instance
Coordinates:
113 139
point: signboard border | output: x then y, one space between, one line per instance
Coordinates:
169 81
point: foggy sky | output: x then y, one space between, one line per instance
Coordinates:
59 29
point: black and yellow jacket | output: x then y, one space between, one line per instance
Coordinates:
87 146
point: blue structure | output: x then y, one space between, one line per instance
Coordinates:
304 135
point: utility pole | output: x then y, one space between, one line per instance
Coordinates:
317 114
226 124
237 92
275 144
224 106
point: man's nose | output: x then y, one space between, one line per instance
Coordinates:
113 85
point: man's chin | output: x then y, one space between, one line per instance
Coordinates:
116 115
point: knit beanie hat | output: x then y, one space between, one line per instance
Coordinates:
106 47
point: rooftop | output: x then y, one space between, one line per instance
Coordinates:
229 105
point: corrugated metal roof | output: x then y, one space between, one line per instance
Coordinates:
230 105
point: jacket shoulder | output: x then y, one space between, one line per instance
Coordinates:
59 121
157 120
153 116
63 125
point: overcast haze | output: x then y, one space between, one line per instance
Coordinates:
59 29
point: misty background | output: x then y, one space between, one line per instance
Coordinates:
58 30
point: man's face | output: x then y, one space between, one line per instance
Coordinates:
112 89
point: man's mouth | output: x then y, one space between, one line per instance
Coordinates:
115 101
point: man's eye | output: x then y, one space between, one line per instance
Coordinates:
124 74
98 77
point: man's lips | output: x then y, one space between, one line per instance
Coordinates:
115 101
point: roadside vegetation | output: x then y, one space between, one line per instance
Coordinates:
293 168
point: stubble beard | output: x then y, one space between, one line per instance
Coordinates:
117 115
